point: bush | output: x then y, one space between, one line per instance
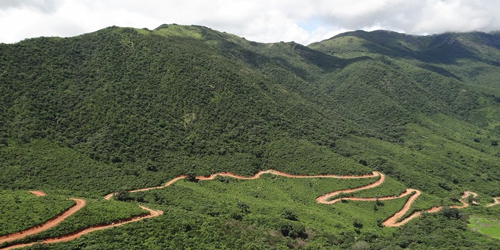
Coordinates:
357 223
293 230
450 213
289 215
361 245
123 196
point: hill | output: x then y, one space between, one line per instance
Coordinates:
124 108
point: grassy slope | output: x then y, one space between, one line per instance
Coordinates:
138 107
95 212
214 203
21 210
213 217
485 226
452 131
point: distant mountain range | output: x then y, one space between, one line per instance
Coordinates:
125 108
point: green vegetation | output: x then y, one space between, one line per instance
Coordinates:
490 227
50 171
124 108
484 220
20 210
275 212
271 207
439 232
95 212
388 188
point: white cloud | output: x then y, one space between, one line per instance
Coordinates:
47 6
259 20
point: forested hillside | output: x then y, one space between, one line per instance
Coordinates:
124 108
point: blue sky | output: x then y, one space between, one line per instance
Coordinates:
310 24
258 20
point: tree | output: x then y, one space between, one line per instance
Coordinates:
470 199
123 196
151 166
289 215
363 162
361 245
243 206
450 213
191 178
357 223
379 222
293 229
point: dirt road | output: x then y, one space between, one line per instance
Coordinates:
79 204
496 201
37 192
394 220
72 236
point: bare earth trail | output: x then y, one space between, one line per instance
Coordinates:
464 196
496 201
256 176
59 218
79 204
72 236
392 221
37 192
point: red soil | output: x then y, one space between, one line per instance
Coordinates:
392 221
72 236
324 199
109 196
496 201
47 225
37 192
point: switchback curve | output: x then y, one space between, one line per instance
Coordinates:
392 221
72 236
79 204
256 176
396 220
496 201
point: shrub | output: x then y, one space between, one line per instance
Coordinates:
289 215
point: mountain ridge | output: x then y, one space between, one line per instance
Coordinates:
136 107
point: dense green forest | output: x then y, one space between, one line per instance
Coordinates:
124 108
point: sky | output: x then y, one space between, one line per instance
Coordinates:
303 21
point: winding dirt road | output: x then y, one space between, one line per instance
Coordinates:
256 176
79 204
109 196
325 199
392 221
72 236
496 201
464 203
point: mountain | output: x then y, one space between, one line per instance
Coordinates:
123 108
